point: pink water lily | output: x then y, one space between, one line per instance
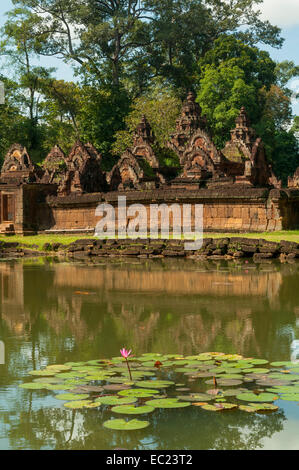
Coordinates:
125 353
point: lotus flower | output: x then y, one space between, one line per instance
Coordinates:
125 353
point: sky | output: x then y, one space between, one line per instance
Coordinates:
283 13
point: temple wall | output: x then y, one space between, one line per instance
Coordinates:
227 210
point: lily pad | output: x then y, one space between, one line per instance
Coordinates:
43 372
122 425
220 407
115 387
77 405
195 397
132 410
290 397
168 403
71 396
155 383
114 400
138 393
34 386
59 367
258 408
226 382
282 364
256 370
262 397
48 380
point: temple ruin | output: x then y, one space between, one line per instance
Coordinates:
236 185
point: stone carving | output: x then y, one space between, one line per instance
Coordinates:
83 173
293 182
126 174
138 167
54 166
19 166
245 155
188 123
143 142
131 173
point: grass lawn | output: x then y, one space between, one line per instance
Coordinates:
40 240
288 235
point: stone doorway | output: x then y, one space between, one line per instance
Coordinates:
7 212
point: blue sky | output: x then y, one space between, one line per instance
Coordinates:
283 13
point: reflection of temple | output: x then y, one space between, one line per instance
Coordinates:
62 194
163 307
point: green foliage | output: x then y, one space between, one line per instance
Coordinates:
161 108
231 75
283 150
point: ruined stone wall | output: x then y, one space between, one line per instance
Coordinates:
36 212
240 209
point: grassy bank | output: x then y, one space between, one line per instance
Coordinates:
40 240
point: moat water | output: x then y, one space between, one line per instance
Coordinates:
55 312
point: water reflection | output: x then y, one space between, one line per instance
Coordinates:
53 312
189 429
163 306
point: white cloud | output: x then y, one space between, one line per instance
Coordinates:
283 13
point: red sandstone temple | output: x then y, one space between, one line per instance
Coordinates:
236 186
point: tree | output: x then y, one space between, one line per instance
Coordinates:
231 75
18 47
295 127
184 31
12 122
102 113
103 38
161 108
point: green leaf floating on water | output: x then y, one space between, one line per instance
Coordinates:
283 364
115 400
284 389
151 383
78 405
138 393
226 382
133 410
59 387
220 407
43 372
71 396
257 408
168 403
196 397
122 425
256 370
81 404
48 380
262 397
155 384
34 386
59 367
258 361
290 397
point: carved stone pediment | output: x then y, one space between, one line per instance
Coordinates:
202 142
18 165
293 181
83 171
54 166
126 174
188 123
144 139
